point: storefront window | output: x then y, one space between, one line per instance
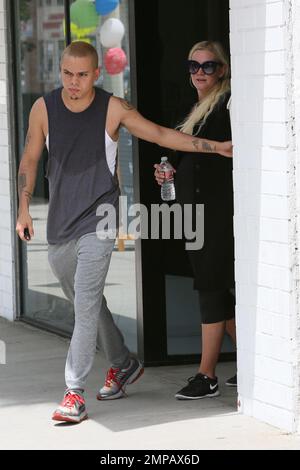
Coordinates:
40 33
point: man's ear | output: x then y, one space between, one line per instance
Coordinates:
98 72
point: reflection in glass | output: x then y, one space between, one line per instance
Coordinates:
184 318
40 32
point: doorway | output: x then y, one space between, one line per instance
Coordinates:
164 33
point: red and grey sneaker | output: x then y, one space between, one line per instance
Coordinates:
117 380
72 408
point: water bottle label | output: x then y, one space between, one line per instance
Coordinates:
168 174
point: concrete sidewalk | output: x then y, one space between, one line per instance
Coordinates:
32 383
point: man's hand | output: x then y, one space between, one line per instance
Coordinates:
159 175
225 148
24 222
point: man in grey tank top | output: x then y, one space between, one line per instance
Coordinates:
73 120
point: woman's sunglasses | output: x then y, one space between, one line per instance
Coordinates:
208 67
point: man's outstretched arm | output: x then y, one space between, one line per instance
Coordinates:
147 130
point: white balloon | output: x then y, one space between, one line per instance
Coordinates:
111 32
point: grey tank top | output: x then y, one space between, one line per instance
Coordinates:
79 177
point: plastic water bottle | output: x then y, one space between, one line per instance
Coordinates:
167 188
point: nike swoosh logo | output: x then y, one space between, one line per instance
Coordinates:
212 387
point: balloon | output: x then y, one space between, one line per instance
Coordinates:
78 34
115 60
104 7
81 33
83 15
111 32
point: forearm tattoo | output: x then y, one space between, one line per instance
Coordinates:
22 185
208 147
195 143
126 105
205 147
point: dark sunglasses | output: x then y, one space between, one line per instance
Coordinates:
208 67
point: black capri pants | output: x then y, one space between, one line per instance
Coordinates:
216 306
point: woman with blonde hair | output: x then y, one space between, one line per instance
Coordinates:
208 180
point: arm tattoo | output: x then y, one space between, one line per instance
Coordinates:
22 186
27 140
196 144
208 148
126 105
22 181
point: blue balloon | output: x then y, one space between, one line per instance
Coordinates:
104 7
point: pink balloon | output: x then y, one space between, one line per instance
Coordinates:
115 60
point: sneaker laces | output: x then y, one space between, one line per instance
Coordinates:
199 378
195 377
112 376
71 398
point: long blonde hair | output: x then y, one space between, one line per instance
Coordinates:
203 108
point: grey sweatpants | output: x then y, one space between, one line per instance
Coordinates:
81 267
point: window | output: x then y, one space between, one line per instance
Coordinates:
40 33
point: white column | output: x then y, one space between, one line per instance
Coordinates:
265 221
294 133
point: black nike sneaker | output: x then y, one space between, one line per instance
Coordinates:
232 382
198 387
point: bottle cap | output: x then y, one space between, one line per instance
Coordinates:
164 159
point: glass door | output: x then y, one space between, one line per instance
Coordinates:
40 31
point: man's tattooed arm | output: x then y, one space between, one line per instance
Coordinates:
25 186
126 105
22 183
165 137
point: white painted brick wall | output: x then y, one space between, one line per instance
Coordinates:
295 131
262 106
7 287
274 300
